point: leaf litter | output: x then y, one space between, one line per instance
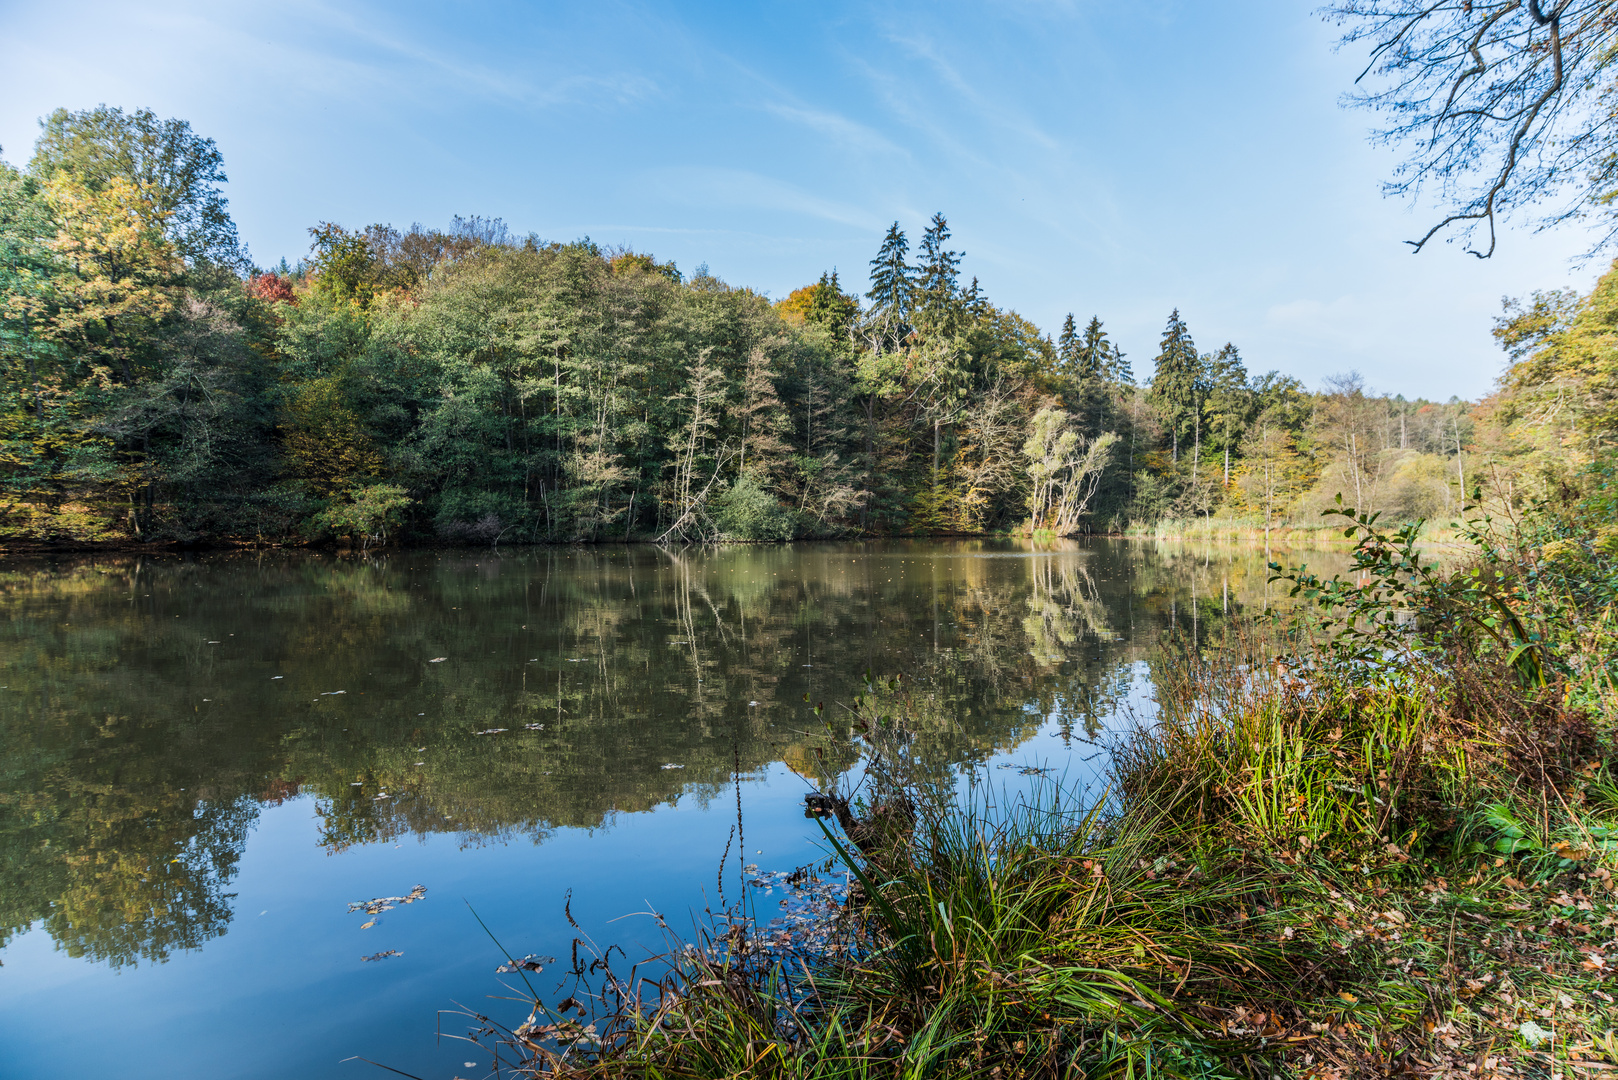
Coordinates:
377 905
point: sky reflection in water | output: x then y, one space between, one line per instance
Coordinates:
208 759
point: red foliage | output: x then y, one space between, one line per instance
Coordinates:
271 287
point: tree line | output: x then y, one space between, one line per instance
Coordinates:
468 385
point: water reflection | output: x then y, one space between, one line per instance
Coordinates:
151 706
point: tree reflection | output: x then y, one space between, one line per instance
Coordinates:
145 726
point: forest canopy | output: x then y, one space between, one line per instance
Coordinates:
468 385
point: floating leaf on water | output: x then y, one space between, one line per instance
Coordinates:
530 962
367 925
379 904
382 955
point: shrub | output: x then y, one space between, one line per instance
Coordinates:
748 512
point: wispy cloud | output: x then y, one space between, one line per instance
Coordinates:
740 188
846 133
402 58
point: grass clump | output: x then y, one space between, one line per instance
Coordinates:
1390 853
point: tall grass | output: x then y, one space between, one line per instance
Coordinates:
1353 862
1287 534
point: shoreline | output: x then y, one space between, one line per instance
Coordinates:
1281 538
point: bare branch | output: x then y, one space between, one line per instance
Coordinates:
1505 105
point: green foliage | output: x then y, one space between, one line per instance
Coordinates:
368 513
1397 607
556 392
177 172
1179 383
747 511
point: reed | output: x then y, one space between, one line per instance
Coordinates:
1370 857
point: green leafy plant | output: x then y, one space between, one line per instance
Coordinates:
368 513
1396 606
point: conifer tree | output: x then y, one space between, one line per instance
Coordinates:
1230 401
831 307
938 273
1119 372
1093 351
892 292
1177 384
1067 347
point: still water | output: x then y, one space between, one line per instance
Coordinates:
206 760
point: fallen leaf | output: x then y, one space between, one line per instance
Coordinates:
527 963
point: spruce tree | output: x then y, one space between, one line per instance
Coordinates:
1119 372
1067 347
1177 384
891 285
1231 401
1093 351
892 291
937 276
831 307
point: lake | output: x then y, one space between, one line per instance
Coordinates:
208 759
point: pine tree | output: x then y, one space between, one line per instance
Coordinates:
1230 400
1084 363
937 287
892 292
1177 384
975 302
1093 351
1067 347
1119 372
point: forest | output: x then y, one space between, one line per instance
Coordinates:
472 386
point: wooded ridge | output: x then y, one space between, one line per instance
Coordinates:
472 386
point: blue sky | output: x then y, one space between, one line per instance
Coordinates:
1101 158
